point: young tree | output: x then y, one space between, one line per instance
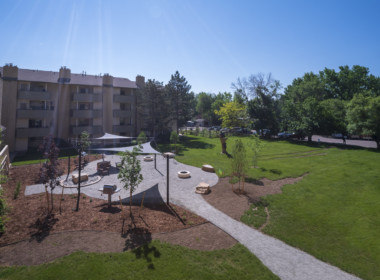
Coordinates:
50 171
256 146
181 99
129 174
84 138
82 145
142 138
174 139
239 162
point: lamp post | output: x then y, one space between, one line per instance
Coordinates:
79 148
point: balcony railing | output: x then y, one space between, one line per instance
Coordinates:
35 114
32 132
35 95
122 99
86 114
122 113
86 97
122 128
77 130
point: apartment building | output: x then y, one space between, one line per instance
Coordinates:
36 103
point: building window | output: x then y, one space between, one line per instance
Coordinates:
23 106
125 106
37 105
124 92
24 87
85 106
84 122
35 123
86 90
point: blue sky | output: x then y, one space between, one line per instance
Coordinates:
211 43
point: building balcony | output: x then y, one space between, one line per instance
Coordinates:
122 99
32 132
86 114
122 113
35 95
77 130
122 128
86 97
35 114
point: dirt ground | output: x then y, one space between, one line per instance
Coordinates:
223 198
33 237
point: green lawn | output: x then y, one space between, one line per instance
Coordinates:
333 213
154 261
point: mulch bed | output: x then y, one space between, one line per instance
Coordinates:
28 217
36 237
224 196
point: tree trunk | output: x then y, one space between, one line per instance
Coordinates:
130 202
79 171
309 138
51 196
378 144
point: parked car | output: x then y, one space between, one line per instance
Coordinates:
284 135
337 135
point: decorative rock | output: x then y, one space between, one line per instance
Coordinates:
170 155
208 168
183 174
202 188
148 158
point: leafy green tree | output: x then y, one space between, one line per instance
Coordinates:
240 97
232 114
203 108
262 107
333 117
174 139
50 171
130 173
363 116
142 138
181 100
219 101
239 162
84 138
301 105
347 82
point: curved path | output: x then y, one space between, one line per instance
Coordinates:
283 260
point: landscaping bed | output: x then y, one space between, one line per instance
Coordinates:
30 226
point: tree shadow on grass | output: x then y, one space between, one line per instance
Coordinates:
43 227
139 241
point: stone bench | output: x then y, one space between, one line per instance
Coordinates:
208 168
83 177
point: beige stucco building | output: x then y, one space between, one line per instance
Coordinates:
36 103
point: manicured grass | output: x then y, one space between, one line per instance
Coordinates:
154 261
333 213
255 216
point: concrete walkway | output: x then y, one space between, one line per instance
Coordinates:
282 259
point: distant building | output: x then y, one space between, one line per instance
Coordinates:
35 103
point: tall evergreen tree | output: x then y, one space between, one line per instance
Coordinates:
181 99
153 104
